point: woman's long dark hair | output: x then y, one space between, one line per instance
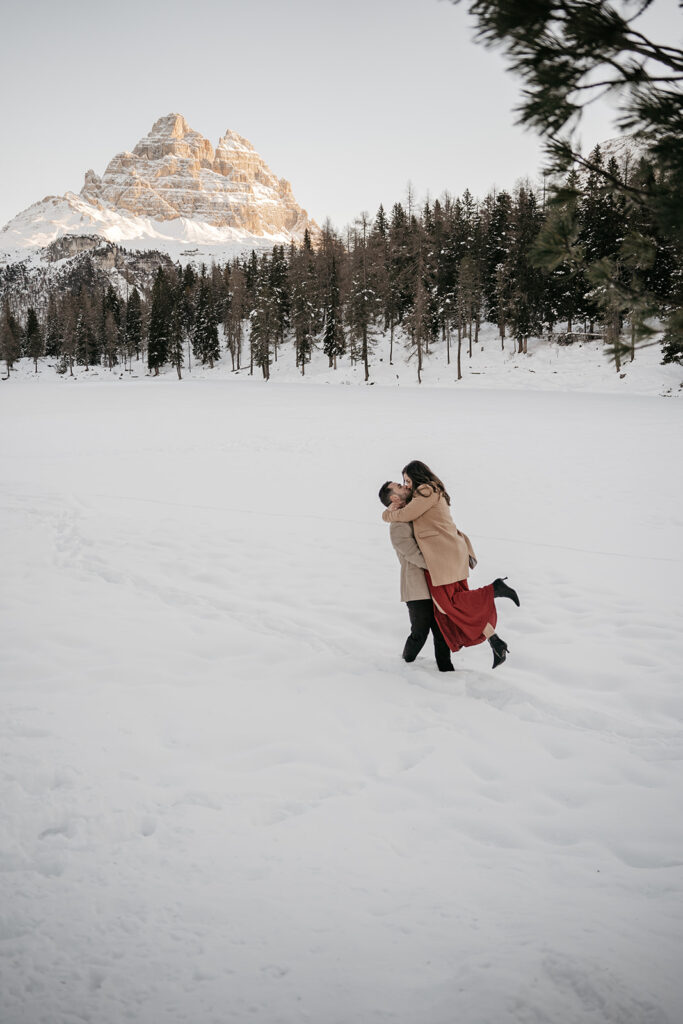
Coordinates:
420 474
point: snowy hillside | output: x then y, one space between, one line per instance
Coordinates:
181 239
226 798
548 366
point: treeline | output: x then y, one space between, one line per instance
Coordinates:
434 271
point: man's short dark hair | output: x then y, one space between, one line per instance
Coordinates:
385 493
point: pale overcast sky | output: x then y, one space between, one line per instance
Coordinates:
349 100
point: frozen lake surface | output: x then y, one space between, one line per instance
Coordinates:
226 798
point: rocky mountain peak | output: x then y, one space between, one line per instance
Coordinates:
173 174
171 135
231 140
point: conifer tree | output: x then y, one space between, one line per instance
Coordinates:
109 326
262 319
53 329
418 321
133 326
82 338
401 266
362 306
251 275
378 252
441 292
278 286
526 279
445 273
497 239
468 294
235 313
503 298
176 332
205 343
566 287
10 339
158 330
303 311
110 338
601 212
69 314
87 347
334 342
34 337
188 287
454 246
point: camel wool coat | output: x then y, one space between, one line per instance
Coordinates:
413 583
446 550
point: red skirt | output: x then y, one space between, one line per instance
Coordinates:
465 612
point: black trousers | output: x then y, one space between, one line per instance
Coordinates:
421 621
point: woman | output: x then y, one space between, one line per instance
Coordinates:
465 617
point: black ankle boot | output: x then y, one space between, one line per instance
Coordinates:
446 666
500 650
501 589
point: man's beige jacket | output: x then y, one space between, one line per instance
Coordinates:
413 583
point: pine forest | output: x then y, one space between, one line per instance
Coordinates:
426 275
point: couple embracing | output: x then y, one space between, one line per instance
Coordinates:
435 562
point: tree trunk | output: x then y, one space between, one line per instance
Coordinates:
459 351
615 325
365 353
391 341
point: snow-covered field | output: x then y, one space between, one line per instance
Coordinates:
225 798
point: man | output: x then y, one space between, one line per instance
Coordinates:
414 589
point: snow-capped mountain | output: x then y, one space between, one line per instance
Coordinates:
626 150
173 191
